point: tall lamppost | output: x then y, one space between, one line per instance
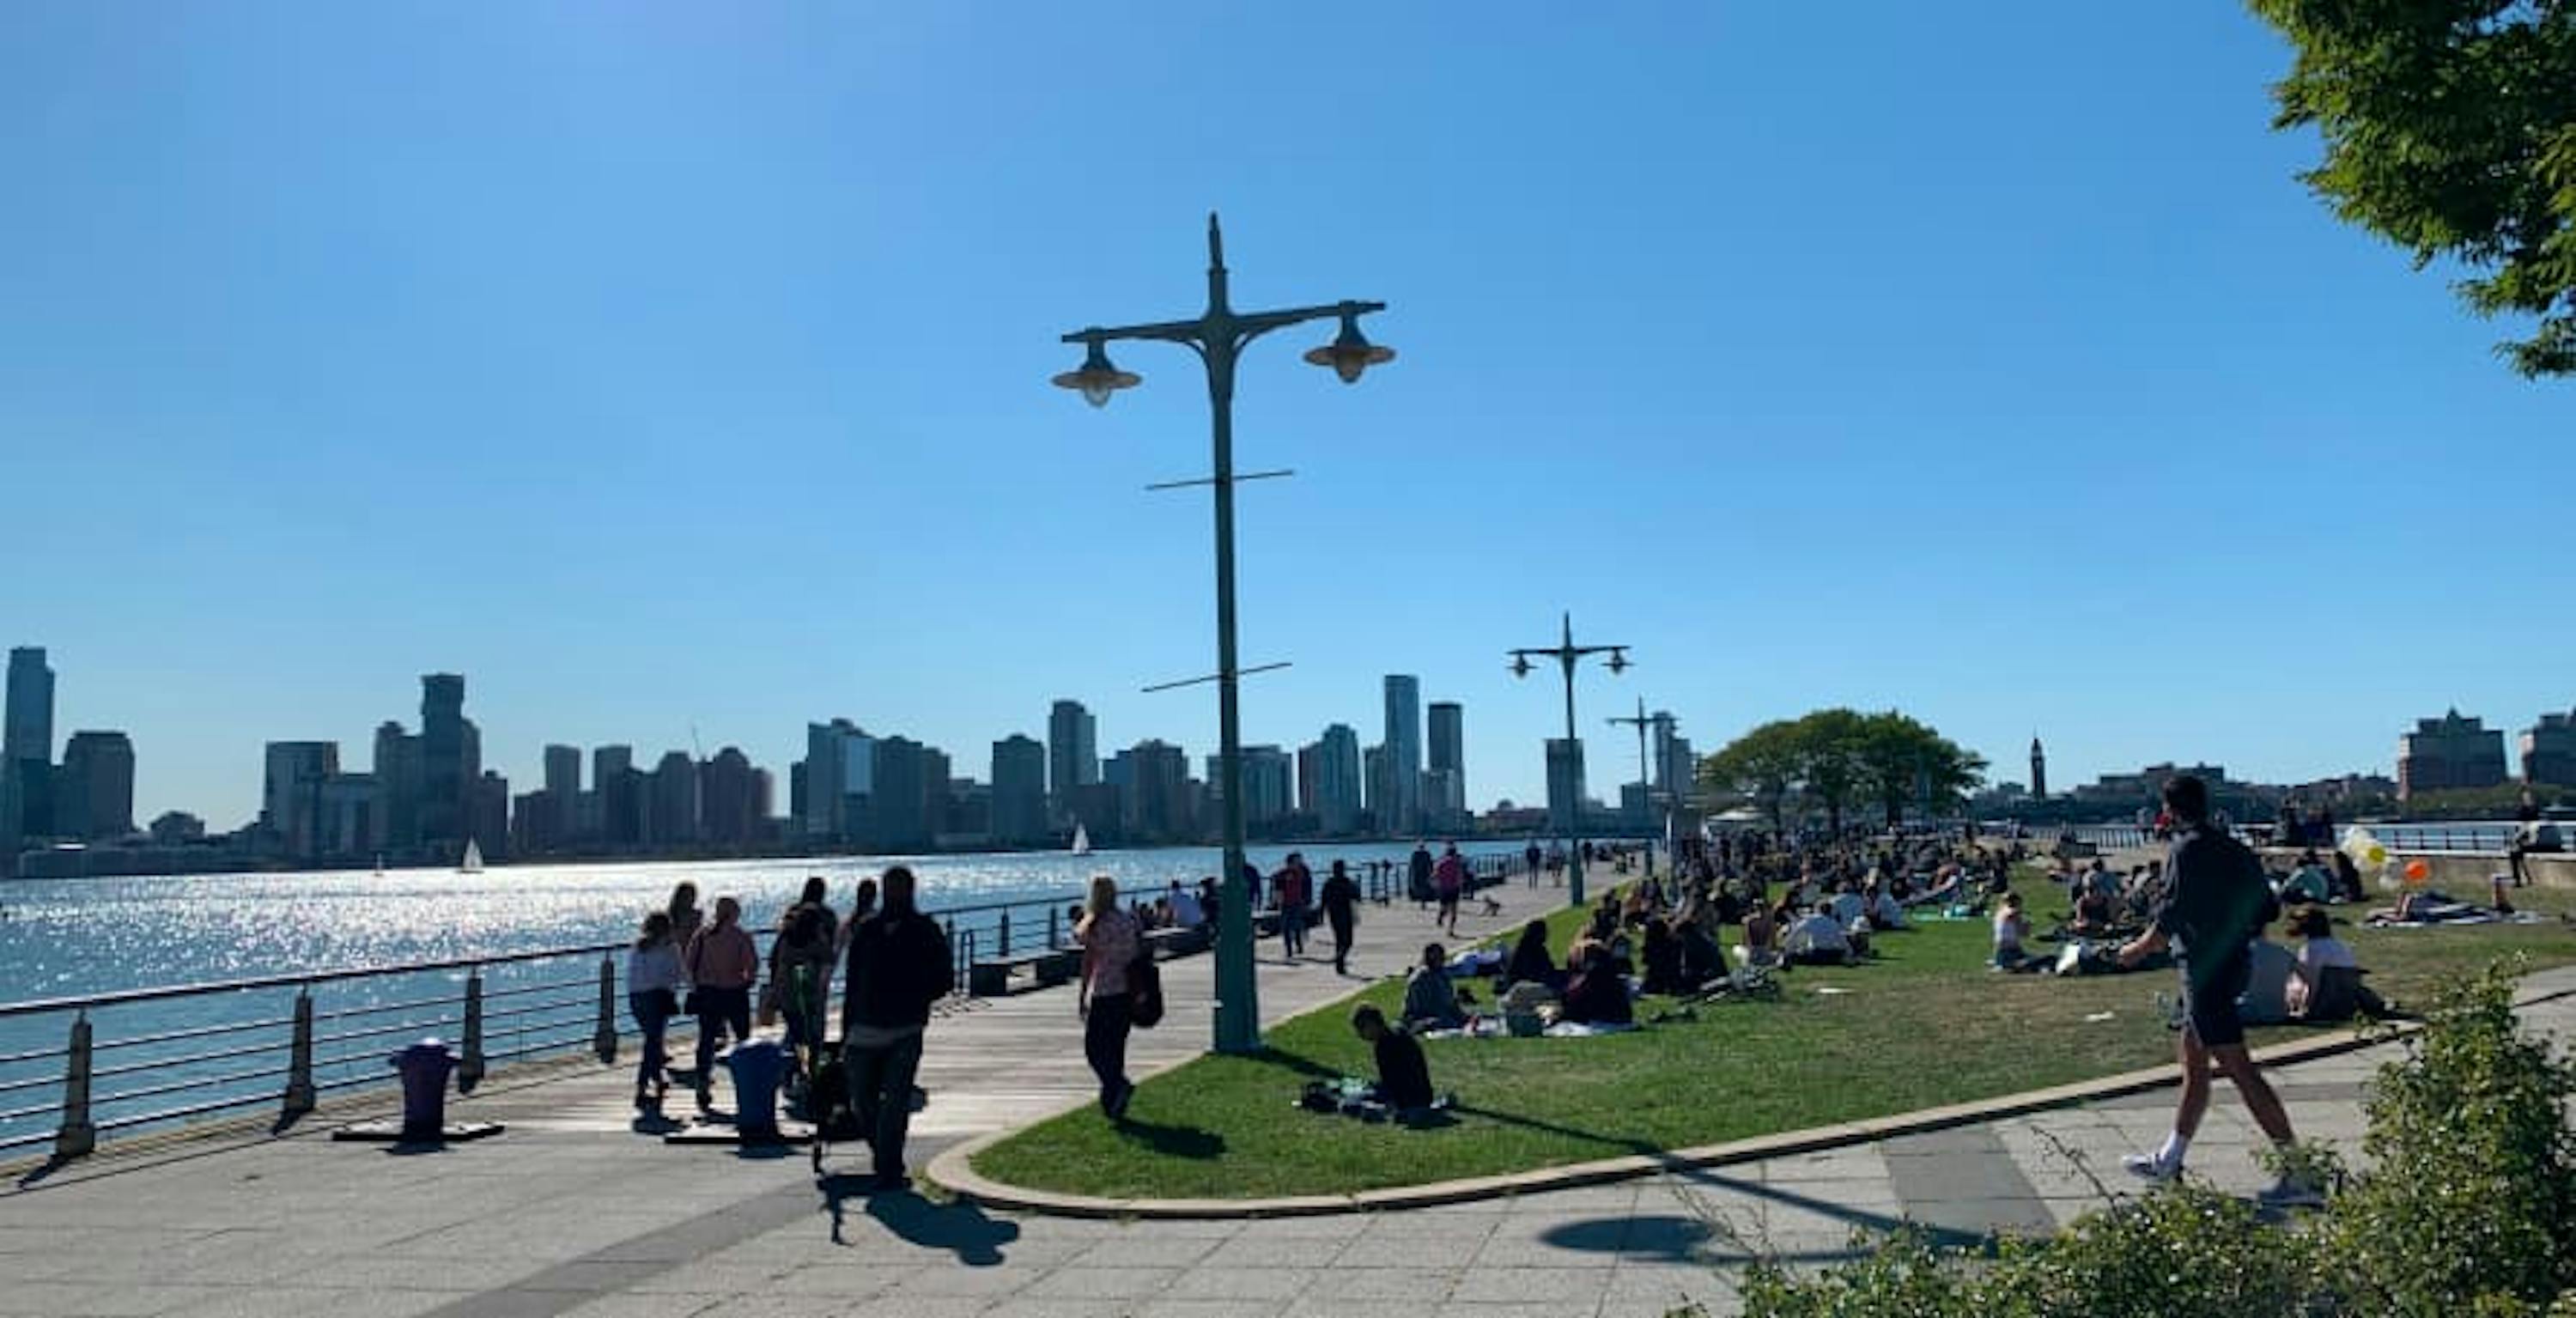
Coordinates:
1567 654
1218 334
1645 776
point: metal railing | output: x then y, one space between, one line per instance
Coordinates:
152 1057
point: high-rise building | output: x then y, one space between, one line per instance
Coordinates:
840 770
2038 771
1019 795
450 760
938 797
2448 753
1073 751
1404 754
1676 768
94 793
398 787
1378 772
730 804
487 812
1265 785
1339 796
1153 777
26 751
563 771
894 813
671 801
345 820
2549 751
1448 750
291 794
619 788
1564 784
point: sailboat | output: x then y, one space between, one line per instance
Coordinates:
473 862
1081 839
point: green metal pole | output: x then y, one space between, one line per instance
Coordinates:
1573 783
1238 1012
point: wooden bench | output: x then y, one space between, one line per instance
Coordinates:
991 977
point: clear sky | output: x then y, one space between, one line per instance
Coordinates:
662 365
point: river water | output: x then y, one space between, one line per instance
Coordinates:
77 937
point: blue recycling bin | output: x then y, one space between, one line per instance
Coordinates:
758 1066
424 1068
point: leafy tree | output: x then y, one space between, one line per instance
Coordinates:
1830 744
1903 757
2450 129
1761 764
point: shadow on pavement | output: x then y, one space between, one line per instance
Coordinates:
961 1229
1665 1238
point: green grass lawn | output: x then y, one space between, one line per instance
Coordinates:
1925 1024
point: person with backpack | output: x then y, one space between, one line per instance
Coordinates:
1111 943
1340 899
899 966
2214 902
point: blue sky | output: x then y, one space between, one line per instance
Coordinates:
662 364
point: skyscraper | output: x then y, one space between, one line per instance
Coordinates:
1154 781
895 814
1446 779
449 762
563 772
1378 772
1265 785
1338 795
1073 751
1565 784
619 787
730 810
1403 755
671 801
291 793
94 793
840 767
1019 811
27 749
398 787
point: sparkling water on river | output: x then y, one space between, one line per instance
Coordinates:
73 937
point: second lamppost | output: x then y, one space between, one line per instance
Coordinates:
1218 335
1567 654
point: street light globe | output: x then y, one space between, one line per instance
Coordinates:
1097 379
1350 353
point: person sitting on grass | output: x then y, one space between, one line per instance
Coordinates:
1530 962
1885 911
2011 927
1816 939
2093 915
2325 985
1761 934
1597 995
2266 999
2310 882
1847 905
1430 1000
1663 955
1403 1074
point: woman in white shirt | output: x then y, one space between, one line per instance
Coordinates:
653 995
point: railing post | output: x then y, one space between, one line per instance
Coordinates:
604 1041
1002 940
299 1059
1055 928
76 1136
469 1067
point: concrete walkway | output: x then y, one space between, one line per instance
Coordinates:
573 1212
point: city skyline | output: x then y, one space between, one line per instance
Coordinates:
1602 779
354 421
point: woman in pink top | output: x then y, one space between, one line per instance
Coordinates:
1448 880
1111 941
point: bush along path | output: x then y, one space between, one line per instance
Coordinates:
2465 1207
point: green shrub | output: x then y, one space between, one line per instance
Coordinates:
2471 1191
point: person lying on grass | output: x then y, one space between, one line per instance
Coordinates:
1430 1000
1403 1074
1817 939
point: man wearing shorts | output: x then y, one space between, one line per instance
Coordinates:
2213 903
1449 880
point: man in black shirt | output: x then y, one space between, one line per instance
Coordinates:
1403 1075
2213 903
899 966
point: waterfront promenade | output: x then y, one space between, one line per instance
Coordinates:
577 1211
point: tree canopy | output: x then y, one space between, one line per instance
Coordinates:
2450 129
1833 759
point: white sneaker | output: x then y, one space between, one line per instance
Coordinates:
2152 1168
2291 1192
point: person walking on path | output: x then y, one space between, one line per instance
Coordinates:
1341 899
653 996
722 965
1531 859
2213 903
1418 875
1110 941
1296 887
899 968
1449 882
